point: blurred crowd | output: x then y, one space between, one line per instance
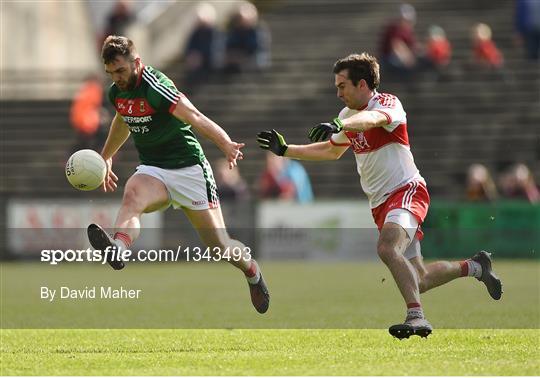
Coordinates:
514 183
281 179
403 54
245 45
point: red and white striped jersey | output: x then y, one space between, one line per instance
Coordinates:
383 155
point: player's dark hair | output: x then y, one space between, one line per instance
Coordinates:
115 45
360 66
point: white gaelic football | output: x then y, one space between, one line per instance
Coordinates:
86 170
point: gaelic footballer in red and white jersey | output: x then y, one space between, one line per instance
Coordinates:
383 155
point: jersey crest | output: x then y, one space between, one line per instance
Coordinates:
133 107
358 142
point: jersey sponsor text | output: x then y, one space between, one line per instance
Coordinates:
129 119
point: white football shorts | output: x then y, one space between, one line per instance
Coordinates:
408 221
191 187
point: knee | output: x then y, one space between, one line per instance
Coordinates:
131 200
387 252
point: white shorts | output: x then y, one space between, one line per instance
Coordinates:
191 187
408 221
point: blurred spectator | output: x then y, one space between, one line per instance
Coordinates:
438 48
247 44
231 186
87 115
398 44
528 26
119 19
518 183
480 184
285 179
201 48
485 52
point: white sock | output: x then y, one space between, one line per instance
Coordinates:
415 312
475 269
120 244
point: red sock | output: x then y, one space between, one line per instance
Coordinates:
464 268
124 238
252 271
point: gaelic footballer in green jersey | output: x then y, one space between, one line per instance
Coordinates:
173 169
161 139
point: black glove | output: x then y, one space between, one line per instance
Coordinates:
323 131
273 141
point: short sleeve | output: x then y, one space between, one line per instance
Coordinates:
391 107
163 99
162 95
341 139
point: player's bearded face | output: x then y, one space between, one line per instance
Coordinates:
132 81
124 73
128 82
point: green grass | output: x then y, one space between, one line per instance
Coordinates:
325 319
268 352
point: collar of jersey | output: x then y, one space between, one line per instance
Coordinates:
375 93
139 79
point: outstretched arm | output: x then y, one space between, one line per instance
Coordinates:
274 141
361 121
187 112
316 151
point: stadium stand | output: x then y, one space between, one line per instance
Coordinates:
475 117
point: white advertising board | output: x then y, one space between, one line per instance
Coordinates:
321 230
33 225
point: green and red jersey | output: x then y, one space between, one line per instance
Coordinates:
161 139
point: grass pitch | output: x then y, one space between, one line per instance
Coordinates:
318 324
268 352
